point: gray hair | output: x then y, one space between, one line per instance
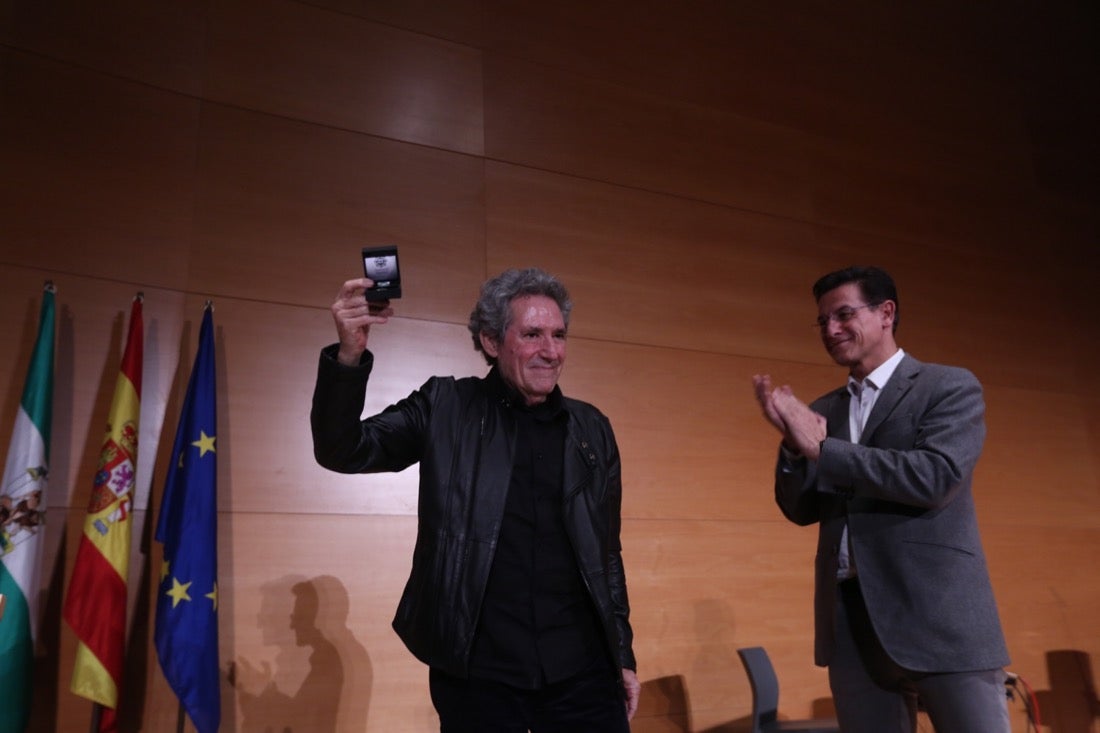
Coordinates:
493 313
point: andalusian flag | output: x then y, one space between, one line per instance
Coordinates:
22 511
187 600
96 604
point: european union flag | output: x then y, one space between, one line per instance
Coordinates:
186 631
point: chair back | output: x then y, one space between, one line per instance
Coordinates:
765 686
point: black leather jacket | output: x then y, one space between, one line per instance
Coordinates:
462 434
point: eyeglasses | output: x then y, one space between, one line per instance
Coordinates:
841 315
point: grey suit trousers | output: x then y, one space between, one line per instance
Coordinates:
873 694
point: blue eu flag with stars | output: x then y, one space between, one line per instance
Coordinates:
186 633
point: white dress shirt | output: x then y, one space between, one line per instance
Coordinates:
864 394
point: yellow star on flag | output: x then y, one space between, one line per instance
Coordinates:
163 570
178 592
213 595
205 443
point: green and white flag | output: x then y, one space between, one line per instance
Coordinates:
22 513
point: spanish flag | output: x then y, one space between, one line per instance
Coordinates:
95 606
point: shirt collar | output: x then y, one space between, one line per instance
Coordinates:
545 410
879 377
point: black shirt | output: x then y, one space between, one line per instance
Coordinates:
537 623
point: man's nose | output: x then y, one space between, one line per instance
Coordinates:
833 326
548 346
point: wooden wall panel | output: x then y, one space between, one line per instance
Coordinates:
454 20
928 202
693 442
794 65
651 269
296 60
1019 484
543 118
158 44
704 53
572 109
110 196
283 209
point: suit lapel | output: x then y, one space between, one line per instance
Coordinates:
895 389
836 415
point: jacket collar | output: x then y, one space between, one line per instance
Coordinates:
510 397
900 382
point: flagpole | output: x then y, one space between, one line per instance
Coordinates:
97 713
180 717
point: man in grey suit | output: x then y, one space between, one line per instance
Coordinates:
903 607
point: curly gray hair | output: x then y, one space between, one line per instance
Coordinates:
493 312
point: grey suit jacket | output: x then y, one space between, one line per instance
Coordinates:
905 493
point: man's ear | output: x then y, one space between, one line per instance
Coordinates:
888 309
491 347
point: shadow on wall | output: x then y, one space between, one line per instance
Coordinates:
823 707
715 629
1071 704
663 707
306 621
47 662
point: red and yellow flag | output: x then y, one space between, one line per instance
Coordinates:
95 606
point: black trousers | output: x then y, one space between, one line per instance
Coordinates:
591 702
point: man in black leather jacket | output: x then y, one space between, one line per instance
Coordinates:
517 597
